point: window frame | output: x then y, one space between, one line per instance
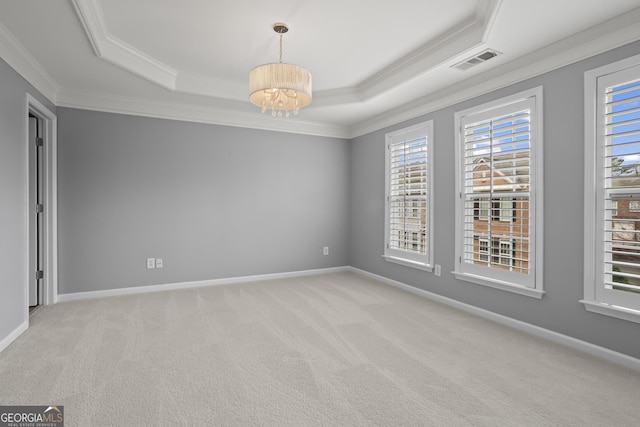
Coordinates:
407 257
494 277
597 299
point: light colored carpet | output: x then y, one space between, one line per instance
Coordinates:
327 350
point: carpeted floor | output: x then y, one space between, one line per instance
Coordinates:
327 350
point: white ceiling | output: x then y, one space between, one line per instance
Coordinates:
374 62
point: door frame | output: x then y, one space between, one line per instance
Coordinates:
50 221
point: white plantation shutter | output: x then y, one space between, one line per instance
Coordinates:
619 114
498 149
408 204
408 195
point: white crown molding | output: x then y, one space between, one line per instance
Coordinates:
193 113
119 53
463 38
131 59
92 19
452 44
15 54
614 33
487 13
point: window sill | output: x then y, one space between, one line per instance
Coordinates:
612 310
505 286
408 263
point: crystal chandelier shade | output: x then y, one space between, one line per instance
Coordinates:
280 87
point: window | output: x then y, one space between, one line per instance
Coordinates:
482 212
501 209
504 209
499 177
415 241
504 252
408 207
612 190
483 250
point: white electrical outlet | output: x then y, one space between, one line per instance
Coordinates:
325 251
438 270
158 262
151 263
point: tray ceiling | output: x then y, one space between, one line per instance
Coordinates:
373 62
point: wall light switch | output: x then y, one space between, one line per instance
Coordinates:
438 270
158 262
325 251
151 263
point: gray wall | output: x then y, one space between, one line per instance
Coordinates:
211 201
560 309
13 196
217 202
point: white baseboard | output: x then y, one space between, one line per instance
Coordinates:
13 335
583 346
576 344
196 284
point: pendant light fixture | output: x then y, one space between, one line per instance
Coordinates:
280 87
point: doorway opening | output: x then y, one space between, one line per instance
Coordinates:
41 286
36 211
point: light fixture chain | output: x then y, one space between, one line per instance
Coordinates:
281 48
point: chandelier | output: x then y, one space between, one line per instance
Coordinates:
280 87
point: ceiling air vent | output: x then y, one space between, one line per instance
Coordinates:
476 59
